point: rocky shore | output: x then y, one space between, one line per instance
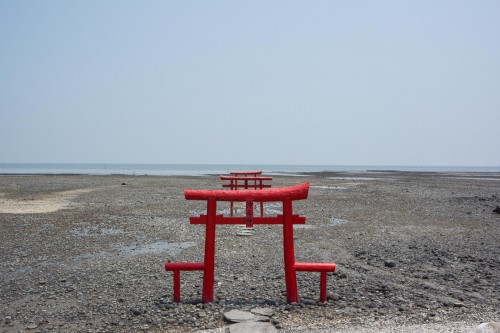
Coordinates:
86 254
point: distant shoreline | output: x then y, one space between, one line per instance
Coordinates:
211 169
495 175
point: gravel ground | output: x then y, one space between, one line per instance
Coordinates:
415 252
378 327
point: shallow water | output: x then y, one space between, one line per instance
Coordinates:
335 221
330 187
132 251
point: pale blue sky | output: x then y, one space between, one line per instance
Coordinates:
260 82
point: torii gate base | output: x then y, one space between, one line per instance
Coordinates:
288 219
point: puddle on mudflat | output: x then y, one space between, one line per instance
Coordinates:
355 179
304 226
334 221
111 231
85 232
133 250
157 247
330 187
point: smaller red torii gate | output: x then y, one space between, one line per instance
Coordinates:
287 219
249 180
246 173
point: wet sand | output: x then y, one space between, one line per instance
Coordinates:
86 253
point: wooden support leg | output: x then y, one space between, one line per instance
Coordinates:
322 287
177 286
209 272
289 254
249 214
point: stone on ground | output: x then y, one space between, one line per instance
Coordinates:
237 316
252 327
268 312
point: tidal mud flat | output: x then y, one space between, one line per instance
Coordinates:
86 253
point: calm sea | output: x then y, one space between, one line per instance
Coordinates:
206 169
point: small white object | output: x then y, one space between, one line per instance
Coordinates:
494 325
245 232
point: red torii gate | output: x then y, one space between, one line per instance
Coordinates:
288 219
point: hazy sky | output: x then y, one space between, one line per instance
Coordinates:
257 82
